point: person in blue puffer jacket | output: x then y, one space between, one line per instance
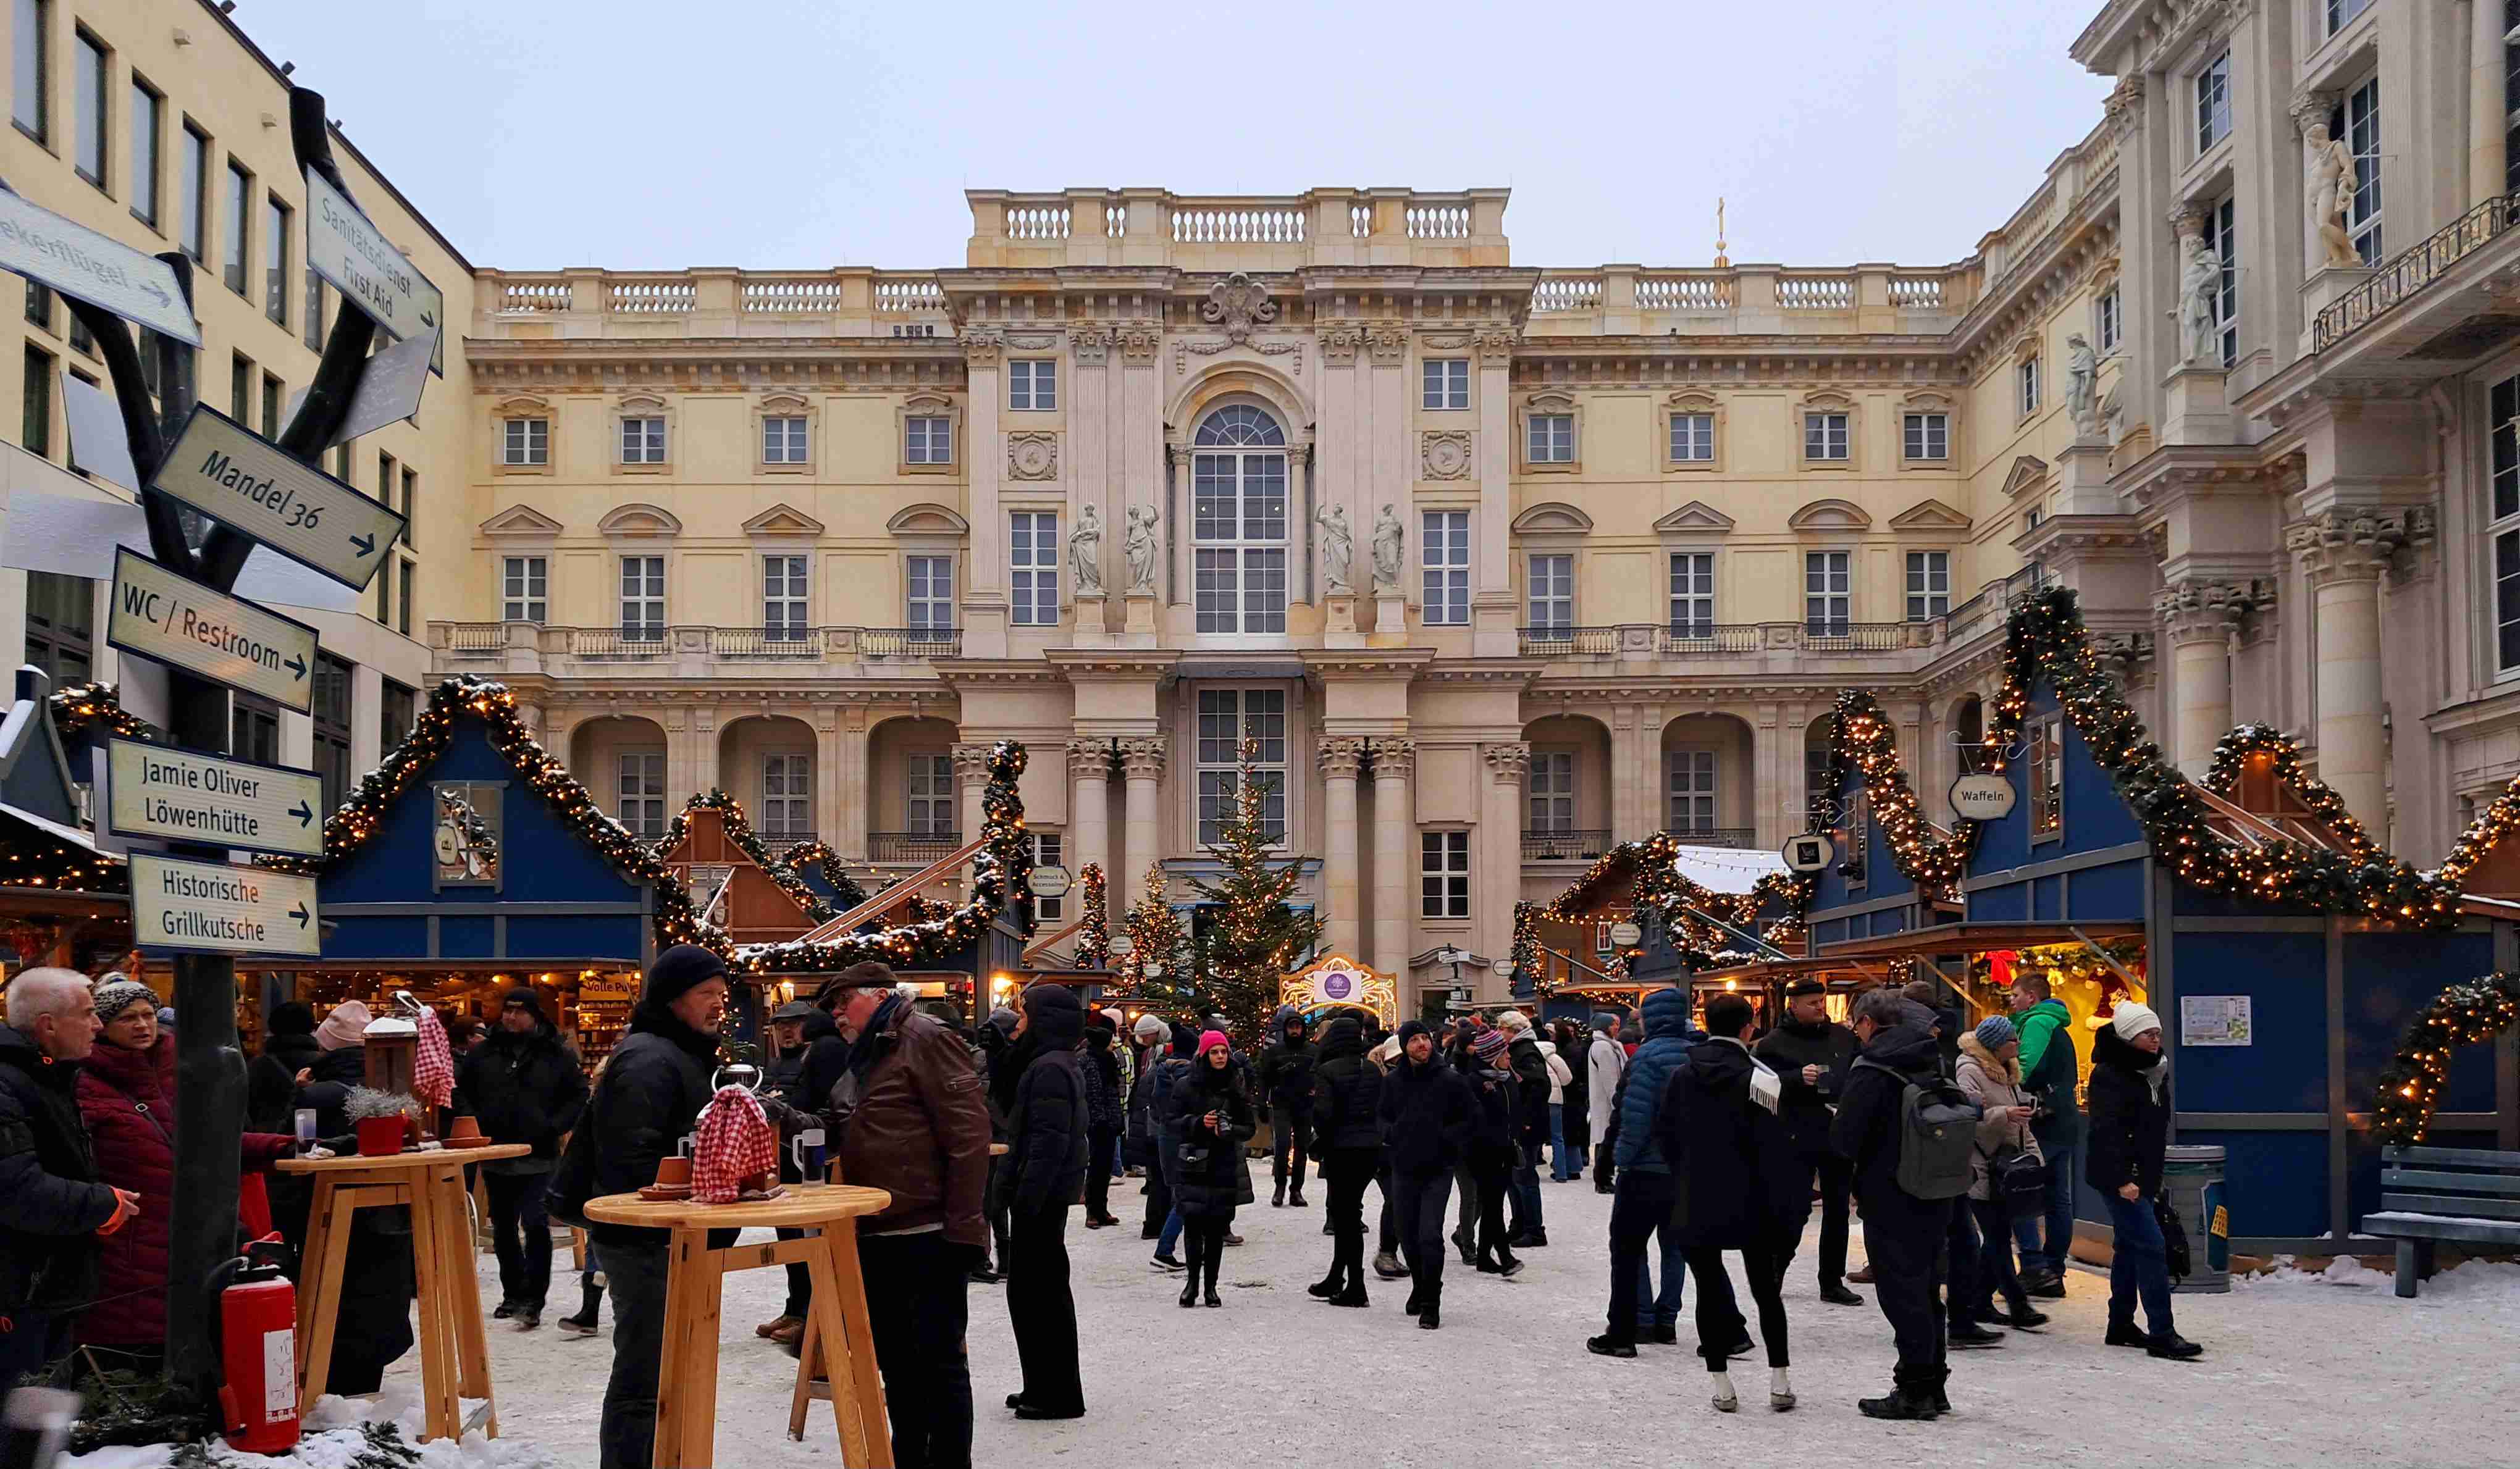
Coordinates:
1641 1198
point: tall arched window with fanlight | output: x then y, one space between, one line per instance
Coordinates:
1238 520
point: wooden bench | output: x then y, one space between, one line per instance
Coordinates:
2429 1194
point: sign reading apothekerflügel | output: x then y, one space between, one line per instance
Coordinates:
209 906
177 621
238 478
184 797
76 260
347 248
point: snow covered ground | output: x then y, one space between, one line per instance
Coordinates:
2299 1369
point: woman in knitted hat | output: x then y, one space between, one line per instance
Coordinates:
2128 1102
1990 1072
1493 1151
1215 1116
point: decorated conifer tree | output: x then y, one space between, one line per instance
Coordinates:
1256 936
1156 935
1094 936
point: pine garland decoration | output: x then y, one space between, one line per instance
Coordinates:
81 710
2234 752
1094 935
2464 1014
846 891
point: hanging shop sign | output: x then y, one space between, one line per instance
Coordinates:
1982 798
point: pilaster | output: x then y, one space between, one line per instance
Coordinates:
1141 764
1342 757
2341 556
1495 862
1089 769
1394 827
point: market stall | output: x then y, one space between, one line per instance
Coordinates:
1687 904
63 902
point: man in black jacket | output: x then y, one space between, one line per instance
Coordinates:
655 1085
1903 1234
1530 1127
288 1047
1811 1055
1346 1094
1426 1115
1735 1185
526 1085
52 1206
1286 1078
1045 1167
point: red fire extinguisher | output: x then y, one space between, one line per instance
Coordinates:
258 1326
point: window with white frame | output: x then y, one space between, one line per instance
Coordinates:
1238 522
1444 875
783 440
1447 382
2025 381
1032 384
1693 438
642 598
2503 523
1226 717
2340 12
932 810
643 440
782 598
788 796
1926 435
2356 122
932 593
1829 597
2047 766
2106 320
1551 438
1691 775
1692 593
525 441
1444 555
2214 102
640 794
1824 436
1049 850
1033 546
1929 585
1552 792
2223 242
927 439
524 589
1551 584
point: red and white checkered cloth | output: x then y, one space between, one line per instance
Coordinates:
432 1070
736 1140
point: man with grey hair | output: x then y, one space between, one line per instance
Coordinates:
52 1206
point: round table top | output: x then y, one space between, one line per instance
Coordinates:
800 1206
349 1162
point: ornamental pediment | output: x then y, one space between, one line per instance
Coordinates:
1929 515
520 522
783 520
1696 516
2029 473
1553 518
1830 515
639 520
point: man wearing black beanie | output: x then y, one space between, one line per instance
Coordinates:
524 1084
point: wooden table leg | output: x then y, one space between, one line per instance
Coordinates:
671 1404
311 1250
809 1358
441 1413
471 1340
700 1354
327 1252
840 1310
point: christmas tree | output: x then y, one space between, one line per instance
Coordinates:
1155 936
1256 937
1094 938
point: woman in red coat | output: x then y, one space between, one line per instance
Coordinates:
126 1092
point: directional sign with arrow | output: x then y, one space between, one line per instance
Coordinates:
77 261
177 621
238 478
210 907
345 248
213 801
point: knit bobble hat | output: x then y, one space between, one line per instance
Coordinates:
679 970
1211 1040
1490 1044
1151 1028
1995 1033
117 994
2133 1018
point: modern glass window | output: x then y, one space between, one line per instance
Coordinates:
927 439
1692 593
1447 383
932 810
384 481
642 598
782 598
192 192
525 441
1550 582
240 388
31 68
410 506
1032 544
1444 552
253 729
61 627
640 794
642 441
274 250
1692 437
275 397
2108 320
1049 850
1691 791
1032 384
2214 102
783 440
81 339
2503 523
1551 792
2339 12
1238 522
88 104
231 241
1226 717
2223 240
932 593
1824 436
1551 438
1827 593
147 115
1926 435
1444 875
2025 383
524 589
1929 584
786 796
332 713
2357 121
2047 766
35 418
39 305
395 711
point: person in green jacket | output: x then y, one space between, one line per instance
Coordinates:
2050 1071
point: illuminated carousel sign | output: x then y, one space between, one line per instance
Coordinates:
1335 980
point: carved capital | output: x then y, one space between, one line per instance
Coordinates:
1508 763
2309 108
1395 760
2125 106
1338 347
1388 341
1342 757
1089 759
1142 758
1092 345
983 348
1494 348
971 764
2356 545
1137 345
2197 611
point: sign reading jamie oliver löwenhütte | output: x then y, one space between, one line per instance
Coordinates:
214 800
345 248
209 906
77 261
177 621
241 479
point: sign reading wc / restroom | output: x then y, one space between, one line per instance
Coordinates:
217 802
238 478
209 906
177 621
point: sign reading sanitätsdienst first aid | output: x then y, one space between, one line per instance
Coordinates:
345 248
214 908
239 479
77 261
177 621
213 800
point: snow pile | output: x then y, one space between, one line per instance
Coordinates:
334 1441
2344 1269
2493 1282
1725 869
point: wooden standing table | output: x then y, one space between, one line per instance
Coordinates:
454 1350
687 1378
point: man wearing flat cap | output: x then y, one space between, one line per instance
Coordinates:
1811 1055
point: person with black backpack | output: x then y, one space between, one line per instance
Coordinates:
1909 1133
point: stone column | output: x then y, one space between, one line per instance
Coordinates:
1630 795
1142 761
984 457
2342 555
854 801
2198 618
2487 105
1342 757
1395 764
1495 853
1089 767
971 782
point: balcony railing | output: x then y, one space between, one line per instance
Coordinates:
2404 276
472 642
1702 639
1564 846
476 636
780 838
618 644
1715 836
912 848
1567 642
911 643
787 641
1854 637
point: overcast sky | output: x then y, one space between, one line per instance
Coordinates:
639 134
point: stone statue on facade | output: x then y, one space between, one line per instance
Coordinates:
1339 548
1085 553
1140 546
2200 283
2331 194
1386 550
2082 385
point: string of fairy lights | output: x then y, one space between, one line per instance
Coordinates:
2249 744
1093 931
1679 903
1155 930
817 855
2410 1083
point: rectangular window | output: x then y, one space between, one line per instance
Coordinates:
88 104
2047 769
783 598
932 593
1929 584
396 709
384 594
927 440
642 598
36 422
1238 534
1827 593
385 480
931 795
193 183
253 729
525 441
240 388
1693 438
275 396
2357 125
39 305
786 797
642 441
1926 435
1816 790
314 313
1551 585
1445 550
1447 382
402 598
2221 241
783 440
1551 438
274 250
1033 544
2025 379
2502 521
1692 593
2214 102
1049 850
231 241
411 507
640 795
2339 12
61 627
148 114
1444 875
332 712
1226 717
524 589
1692 792
31 72
1552 792
2109 320
1824 436
2506 600
81 339
1032 384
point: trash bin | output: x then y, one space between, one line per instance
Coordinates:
2191 1182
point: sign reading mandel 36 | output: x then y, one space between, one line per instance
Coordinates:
238 478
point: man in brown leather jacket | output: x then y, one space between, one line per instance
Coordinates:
905 1115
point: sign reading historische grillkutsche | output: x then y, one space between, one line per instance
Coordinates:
213 908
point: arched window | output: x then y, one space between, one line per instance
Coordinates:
1238 520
